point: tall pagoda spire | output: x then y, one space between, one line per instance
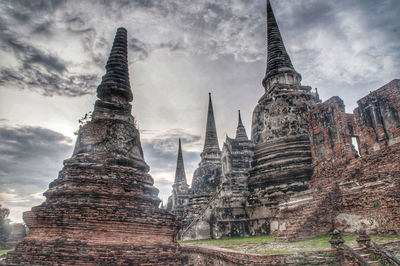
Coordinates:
180 176
102 207
211 139
115 83
278 60
240 130
117 145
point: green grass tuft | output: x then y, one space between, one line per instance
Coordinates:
5 251
270 245
274 252
383 239
232 241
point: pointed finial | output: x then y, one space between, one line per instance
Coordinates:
211 139
115 83
278 60
180 175
317 94
240 130
240 118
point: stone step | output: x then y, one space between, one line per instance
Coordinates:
374 263
260 154
283 158
276 143
282 164
284 153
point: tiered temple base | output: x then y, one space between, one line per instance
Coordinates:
99 215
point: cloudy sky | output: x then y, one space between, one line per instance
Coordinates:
52 56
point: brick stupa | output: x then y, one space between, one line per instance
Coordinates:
103 208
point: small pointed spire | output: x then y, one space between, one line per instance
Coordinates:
180 176
278 60
211 139
240 130
116 80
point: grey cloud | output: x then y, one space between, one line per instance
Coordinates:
161 151
26 153
43 28
28 54
24 11
49 84
165 188
30 158
40 70
349 42
214 29
36 6
140 49
197 26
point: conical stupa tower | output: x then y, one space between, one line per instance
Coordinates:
180 189
180 175
282 156
206 177
211 152
279 66
103 208
240 130
224 215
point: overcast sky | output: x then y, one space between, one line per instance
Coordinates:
53 52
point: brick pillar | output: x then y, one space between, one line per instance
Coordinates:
336 239
363 239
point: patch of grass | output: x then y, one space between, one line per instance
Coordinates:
384 239
322 242
274 252
270 245
233 241
5 251
374 257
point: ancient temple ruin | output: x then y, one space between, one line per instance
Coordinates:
300 175
225 214
282 162
187 203
179 199
103 208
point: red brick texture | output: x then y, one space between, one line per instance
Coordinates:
99 215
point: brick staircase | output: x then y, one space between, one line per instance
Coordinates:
368 256
306 214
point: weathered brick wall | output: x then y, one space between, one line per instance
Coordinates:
331 130
377 117
345 192
370 193
98 215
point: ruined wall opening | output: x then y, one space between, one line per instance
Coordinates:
355 141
